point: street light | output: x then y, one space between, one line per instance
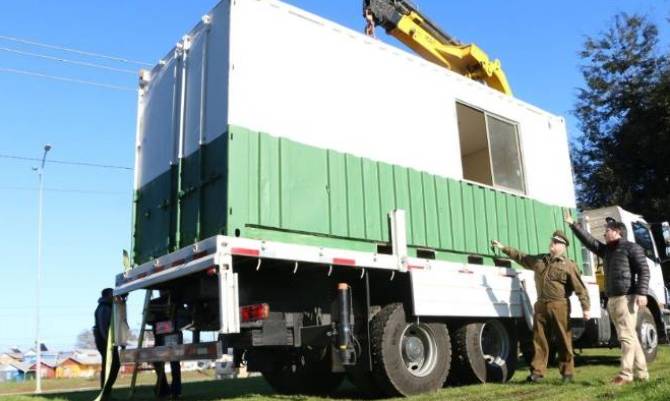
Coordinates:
40 177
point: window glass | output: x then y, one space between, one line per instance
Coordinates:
474 145
505 154
643 238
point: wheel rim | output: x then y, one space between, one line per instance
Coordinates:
494 342
648 336
418 349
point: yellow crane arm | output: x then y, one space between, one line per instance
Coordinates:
404 22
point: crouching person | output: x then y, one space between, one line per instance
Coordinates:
556 277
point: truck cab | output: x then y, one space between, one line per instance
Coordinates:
654 320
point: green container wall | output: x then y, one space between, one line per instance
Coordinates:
160 227
285 191
154 217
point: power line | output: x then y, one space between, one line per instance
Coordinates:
84 164
67 61
71 50
44 307
49 315
65 79
78 191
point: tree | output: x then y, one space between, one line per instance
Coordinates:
623 156
85 340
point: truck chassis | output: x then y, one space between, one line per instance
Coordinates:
306 316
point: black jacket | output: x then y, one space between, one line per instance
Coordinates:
103 318
626 268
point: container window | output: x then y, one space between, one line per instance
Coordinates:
474 145
490 151
505 154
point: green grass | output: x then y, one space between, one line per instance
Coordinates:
595 369
50 385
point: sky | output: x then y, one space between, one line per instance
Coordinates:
87 210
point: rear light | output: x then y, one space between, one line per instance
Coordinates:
255 312
164 327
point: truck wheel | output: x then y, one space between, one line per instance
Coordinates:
408 357
647 333
305 372
484 352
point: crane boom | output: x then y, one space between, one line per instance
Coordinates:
403 21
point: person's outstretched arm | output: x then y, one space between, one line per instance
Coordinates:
525 260
584 237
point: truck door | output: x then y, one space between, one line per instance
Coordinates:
644 239
661 232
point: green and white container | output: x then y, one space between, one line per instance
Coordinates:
268 122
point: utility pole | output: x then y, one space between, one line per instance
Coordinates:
38 366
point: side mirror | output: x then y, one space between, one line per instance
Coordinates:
665 229
661 233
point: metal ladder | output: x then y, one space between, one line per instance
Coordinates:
140 341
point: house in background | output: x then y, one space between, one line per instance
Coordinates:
86 353
13 371
80 363
13 355
50 357
48 370
78 367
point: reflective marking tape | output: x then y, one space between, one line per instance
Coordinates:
344 262
245 252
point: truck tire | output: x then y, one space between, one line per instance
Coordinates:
408 357
484 352
305 372
647 333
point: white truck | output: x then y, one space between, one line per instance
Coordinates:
326 220
654 320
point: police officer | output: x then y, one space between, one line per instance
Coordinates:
556 277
